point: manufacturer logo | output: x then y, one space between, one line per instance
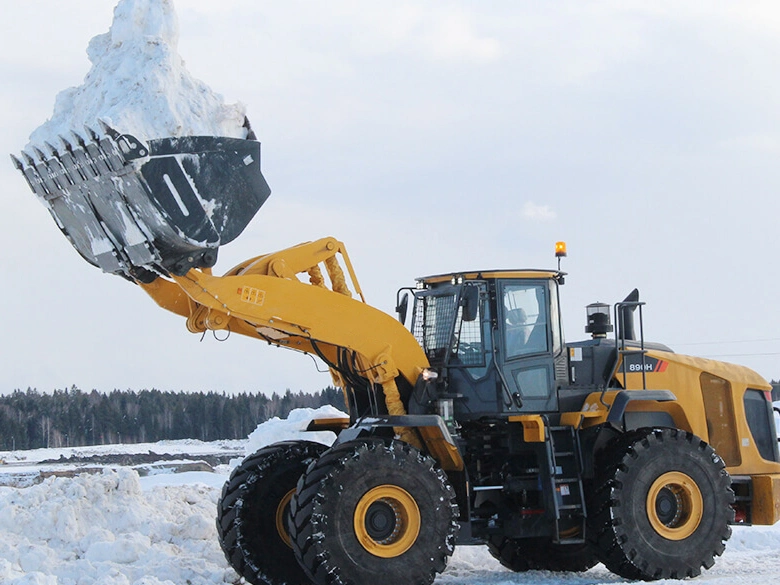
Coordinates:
649 365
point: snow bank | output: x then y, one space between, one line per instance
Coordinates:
118 529
105 530
182 446
138 84
293 428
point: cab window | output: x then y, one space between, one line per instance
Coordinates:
525 319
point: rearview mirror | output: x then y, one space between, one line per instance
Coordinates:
403 308
469 300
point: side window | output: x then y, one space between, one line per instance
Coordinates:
533 382
761 422
471 340
525 319
468 346
432 323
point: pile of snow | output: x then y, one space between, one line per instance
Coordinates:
118 529
139 85
104 529
293 428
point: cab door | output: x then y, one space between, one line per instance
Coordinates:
528 344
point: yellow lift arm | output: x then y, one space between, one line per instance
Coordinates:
264 298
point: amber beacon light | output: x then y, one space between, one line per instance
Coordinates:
560 252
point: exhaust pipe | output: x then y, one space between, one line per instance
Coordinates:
626 315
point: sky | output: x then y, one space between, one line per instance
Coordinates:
432 137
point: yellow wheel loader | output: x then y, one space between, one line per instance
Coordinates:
479 425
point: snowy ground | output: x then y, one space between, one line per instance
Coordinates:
114 527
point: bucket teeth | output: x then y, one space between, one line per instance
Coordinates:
64 144
92 134
80 140
108 130
250 134
52 149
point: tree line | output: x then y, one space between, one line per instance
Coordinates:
73 418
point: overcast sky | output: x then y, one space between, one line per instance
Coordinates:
432 137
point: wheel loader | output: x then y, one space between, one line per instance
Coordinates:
477 425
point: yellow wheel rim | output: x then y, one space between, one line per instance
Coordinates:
387 521
674 506
281 516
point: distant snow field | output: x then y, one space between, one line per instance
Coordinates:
114 527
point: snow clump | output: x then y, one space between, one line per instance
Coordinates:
293 428
139 85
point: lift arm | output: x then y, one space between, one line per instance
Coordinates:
265 298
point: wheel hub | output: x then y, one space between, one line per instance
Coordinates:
669 507
387 521
383 521
674 506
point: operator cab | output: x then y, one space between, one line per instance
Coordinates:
494 340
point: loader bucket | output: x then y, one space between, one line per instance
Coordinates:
140 210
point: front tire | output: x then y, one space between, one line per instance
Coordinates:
374 512
252 513
663 506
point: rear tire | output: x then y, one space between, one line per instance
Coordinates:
375 512
541 554
662 506
252 513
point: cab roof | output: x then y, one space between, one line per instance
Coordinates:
522 273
